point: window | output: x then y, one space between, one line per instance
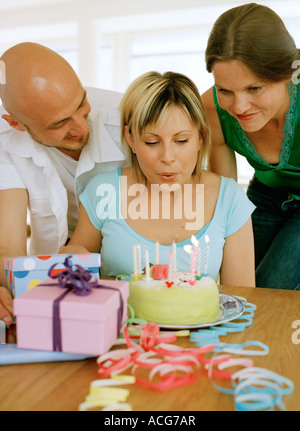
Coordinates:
61 37
181 51
170 41
110 51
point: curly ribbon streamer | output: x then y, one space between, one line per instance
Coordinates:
258 389
155 353
103 394
79 281
252 388
239 348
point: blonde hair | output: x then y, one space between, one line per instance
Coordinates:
256 36
147 100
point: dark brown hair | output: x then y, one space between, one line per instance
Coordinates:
256 36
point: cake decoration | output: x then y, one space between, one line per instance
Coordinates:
160 271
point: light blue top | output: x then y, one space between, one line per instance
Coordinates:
102 203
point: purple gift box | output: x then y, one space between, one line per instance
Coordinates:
50 317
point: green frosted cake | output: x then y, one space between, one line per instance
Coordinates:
176 302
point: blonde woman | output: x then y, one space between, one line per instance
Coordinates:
253 109
166 196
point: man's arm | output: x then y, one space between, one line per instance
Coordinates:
13 239
222 158
86 238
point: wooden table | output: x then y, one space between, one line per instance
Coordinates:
64 385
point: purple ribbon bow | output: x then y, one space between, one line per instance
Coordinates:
79 281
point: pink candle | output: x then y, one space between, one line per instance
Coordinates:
197 252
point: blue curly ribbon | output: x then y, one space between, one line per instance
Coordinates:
260 389
239 348
79 281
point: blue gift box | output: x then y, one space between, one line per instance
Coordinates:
25 272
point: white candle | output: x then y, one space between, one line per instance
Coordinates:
174 256
193 264
157 253
206 254
190 251
134 260
139 263
170 266
147 265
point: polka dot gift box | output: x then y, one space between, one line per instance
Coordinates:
23 273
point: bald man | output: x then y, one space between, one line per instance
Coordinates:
54 136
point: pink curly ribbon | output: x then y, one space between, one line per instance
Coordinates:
174 366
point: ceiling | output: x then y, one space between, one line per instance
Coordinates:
5 4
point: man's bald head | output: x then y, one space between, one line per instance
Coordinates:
44 97
35 75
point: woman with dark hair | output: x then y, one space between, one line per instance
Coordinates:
253 110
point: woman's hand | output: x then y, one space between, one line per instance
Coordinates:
6 306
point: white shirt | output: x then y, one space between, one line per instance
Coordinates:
26 164
66 168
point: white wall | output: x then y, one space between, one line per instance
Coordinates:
109 42
80 27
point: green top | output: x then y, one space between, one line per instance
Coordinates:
285 175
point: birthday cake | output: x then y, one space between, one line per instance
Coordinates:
174 301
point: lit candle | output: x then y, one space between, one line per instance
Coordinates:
206 254
157 253
190 251
197 252
134 260
147 265
139 263
174 256
170 266
193 265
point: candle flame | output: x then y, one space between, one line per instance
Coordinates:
194 241
206 239
188 248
